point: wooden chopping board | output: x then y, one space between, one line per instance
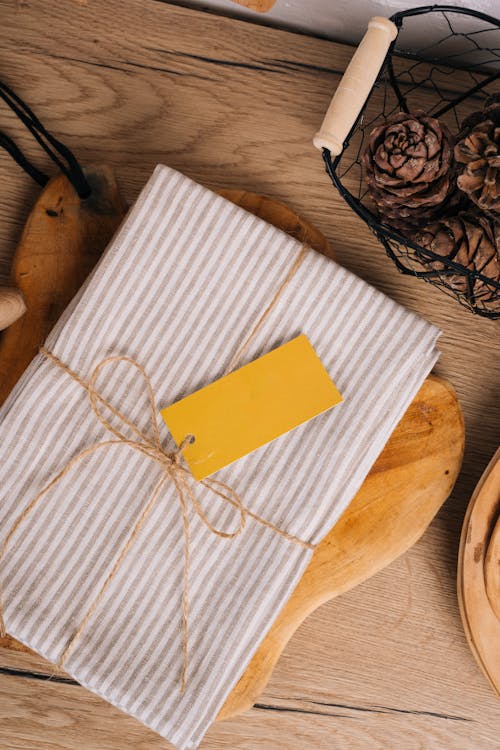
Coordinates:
478 573
404 489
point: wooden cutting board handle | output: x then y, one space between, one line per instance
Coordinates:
405 488
62 241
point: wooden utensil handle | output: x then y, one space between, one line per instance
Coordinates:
12 306
355 85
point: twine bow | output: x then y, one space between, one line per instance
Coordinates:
172 470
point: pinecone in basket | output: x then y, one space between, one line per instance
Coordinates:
410 169
473 241
478 155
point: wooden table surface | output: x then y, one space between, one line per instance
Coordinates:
235 104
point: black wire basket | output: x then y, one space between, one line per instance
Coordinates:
453 75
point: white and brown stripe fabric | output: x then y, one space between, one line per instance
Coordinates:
180 285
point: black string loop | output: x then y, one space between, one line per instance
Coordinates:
60 154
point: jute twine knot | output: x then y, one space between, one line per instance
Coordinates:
172 470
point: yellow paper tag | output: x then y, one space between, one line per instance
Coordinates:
251 406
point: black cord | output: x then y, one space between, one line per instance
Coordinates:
60 154
409 256
15 152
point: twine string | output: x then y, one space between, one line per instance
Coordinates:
172 469
266 312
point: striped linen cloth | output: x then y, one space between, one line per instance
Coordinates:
182 282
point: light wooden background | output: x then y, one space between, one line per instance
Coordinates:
233 104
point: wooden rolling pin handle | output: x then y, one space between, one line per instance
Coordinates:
12 306
356 84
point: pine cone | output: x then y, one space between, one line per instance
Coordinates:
409 169
478 153
473 241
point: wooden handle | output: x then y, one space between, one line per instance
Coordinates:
355 85
12 306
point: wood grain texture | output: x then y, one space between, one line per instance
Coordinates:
401 495
60 244
478 562
12 306
386 665
492 570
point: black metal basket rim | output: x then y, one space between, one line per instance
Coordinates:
398 17
388 232
383 231
464 298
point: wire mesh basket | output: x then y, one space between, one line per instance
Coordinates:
451 76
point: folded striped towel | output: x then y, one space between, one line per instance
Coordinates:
179 286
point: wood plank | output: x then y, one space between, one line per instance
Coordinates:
54 716
234 104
